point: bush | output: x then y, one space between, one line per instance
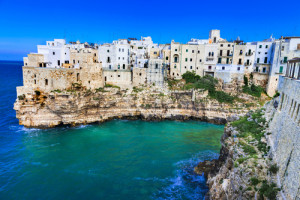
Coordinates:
190 77
254 181
268 190
111 85
38 93
274 169
21 97
277 94
253 90
207 83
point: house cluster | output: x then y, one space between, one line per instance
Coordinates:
132 62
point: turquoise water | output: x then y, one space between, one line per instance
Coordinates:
119 159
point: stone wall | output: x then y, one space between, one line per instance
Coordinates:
284 116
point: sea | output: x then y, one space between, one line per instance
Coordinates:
119 159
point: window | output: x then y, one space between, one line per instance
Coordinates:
107 51
209 54
119 76
155 52
267 46
240 61
221 45
219 60
285 60
41 64
58 62
175 49
156 66
140 74
123 58
35 82
228 45
257 61
264 70
46 81
191 59
118 66
122 50
175 59
259 52
73 61
212 53
266 52
266 60
167 58
119 50
200 60
66 62
256 69
118 58
221 52
281 69
191 67
198 51
238 68
184 67
186 50
186 59
282 48
241 52
192 51
174 66
227 61
123 66
223 68
260 46
228 52
209 67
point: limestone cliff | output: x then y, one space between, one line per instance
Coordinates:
259 158
44 110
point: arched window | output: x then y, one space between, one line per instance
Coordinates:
167 58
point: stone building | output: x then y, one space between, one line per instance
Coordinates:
86 73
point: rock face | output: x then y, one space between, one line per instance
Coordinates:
82 107
243 168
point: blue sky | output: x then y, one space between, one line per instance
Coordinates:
24 24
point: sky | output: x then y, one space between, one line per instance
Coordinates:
25 24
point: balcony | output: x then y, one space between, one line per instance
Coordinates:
248 64
249 54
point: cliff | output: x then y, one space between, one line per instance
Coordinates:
44 110
259 158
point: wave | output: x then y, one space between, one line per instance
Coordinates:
186 184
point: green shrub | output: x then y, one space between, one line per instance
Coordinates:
277 94
190 77
100 89
273 169
246 82
148 106
268 190
21 97
254 181
253 90
136 89
111 85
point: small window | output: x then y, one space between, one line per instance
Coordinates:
53 53
184 67
167 58
228 45
155 52
192 51
260 46
198 51
46 81
187 50
119 76
191 67
35 82
175 49
266 52
186 59
191 59
281 69
156 66
238 68
119 50
107 51
209 67
200 60
221 45
267 46
174 66
223 68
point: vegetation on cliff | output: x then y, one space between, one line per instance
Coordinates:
207 83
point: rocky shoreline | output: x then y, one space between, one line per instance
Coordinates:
46 110
245 168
